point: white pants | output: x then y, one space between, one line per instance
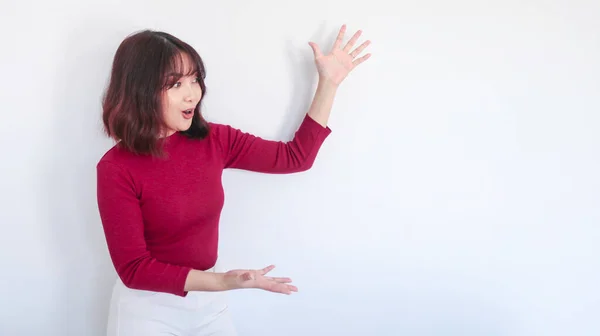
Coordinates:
137 312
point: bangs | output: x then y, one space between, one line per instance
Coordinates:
179 65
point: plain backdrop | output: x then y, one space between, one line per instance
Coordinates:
458 193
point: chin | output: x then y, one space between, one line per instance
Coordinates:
185 126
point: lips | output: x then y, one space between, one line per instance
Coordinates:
188 114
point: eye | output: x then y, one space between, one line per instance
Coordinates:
176 85
196 80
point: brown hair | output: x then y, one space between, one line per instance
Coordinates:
141 71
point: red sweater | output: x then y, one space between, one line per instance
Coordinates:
161 216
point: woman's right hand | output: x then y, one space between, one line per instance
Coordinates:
237 279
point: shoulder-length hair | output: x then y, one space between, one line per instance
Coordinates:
142 71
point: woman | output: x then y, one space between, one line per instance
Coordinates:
159 188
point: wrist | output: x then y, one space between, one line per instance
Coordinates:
207 281
327 84
228 282
223 283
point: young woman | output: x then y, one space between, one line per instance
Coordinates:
159 188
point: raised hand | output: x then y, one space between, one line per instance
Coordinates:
337 64
258 279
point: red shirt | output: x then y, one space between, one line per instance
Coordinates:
161 216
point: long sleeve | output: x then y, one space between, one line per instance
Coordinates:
123 226
245 151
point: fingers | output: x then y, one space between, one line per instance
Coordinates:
272 284
266 270
284 289
281 285
351 44
316 50
291 288
277 285
352 41
360 60
358 50
280 280
340 37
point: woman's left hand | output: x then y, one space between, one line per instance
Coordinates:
335 66
246 278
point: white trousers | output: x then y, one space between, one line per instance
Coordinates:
138 312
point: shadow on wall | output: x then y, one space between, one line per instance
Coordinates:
76 143
304 77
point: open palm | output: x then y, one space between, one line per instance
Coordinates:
335 66
258 279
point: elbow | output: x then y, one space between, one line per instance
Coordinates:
129 273
299 160
127 278
308 161
306 165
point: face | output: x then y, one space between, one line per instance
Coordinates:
180 100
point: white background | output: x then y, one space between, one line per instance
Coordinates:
457 195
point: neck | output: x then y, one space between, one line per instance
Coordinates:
166 134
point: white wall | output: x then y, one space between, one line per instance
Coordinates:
457 195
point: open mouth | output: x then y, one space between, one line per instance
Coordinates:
188 113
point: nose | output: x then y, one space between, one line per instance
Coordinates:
192 93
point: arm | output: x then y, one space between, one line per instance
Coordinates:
123 226
245 151
124 231
320 108
205 281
